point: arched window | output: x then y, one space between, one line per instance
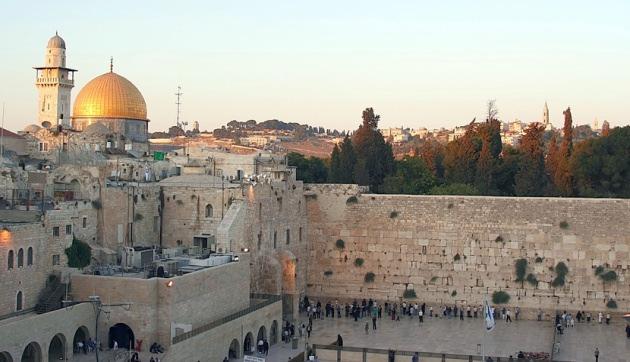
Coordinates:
10 260
29 256
209 210
18 302
20 258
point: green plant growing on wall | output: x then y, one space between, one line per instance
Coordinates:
352 200
607 276
561 272
409 294
532 280
520 269
563 225
369 277
538 259
340 244
328 273
97 204
453 293
393 214
611 304
79 254
138 217
500 297
456 257
433 280
499 239
358 262
179 202
600 269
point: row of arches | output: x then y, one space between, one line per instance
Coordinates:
250 344
20 258
57 349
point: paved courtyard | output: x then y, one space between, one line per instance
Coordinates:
579 343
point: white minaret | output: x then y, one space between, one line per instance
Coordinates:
54 83
546 122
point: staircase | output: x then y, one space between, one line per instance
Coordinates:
51 297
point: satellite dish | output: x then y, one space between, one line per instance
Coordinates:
46 124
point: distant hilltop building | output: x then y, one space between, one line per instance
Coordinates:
546 122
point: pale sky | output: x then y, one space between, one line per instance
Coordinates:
418 63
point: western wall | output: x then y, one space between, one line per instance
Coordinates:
458 249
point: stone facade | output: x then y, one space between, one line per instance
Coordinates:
457 249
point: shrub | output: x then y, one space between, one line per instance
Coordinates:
453 293
138 217
393 214
500 297
340 244
499 239
180 202
358 262
521 270
328 273
433 280
599 270
608 276
538 259
97 204
564 225
558 281
456 257
369 277
409 294
531 279
611 304
352 200
79 254
562 269
450 205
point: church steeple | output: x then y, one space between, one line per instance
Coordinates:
546 115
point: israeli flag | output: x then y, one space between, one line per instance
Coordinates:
489 316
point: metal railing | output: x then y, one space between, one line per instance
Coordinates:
268 300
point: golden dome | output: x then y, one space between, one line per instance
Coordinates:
110 96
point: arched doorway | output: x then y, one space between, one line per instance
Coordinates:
248 344
262 334
273 333
57 348
122 334
5 357
234 351
81 335
32 353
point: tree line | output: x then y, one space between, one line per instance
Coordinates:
477 163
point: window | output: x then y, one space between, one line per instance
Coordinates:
10 260
18 302
300 234
275 239
29 256
20 258
288 236
56 259
84 223
209 210
43 147
68 229
56 231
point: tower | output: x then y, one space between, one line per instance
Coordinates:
546 115
54 82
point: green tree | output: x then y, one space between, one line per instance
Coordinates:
347 162
460 158
335 169
411 177
563 179
375 159
530 178
454 189
432 153
79 254
311 170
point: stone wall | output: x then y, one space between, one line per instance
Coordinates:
457 249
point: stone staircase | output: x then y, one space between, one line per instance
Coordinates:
51 297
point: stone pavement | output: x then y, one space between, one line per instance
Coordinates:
438 335
579 343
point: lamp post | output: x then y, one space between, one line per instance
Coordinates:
98 306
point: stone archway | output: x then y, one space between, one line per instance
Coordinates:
5 357
81 335
32 353
57 348
273 333
123 335
248 344
262 334
234 352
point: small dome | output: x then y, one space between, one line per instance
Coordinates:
56 42
110 96
97 129
32 128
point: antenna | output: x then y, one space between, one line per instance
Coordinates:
179 103
2 137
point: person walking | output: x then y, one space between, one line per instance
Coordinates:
420 316
415 357
628 330
309 328
339 340
596 354
607 318
600 316
508 318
